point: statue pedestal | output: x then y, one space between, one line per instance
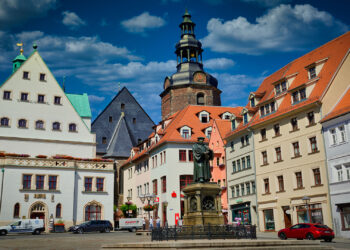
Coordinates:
202 204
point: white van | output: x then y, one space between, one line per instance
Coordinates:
131 224
34 226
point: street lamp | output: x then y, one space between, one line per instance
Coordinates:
306 199
128 203
149 198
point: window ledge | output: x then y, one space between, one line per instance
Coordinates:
311 125
266 193
59 104
263 140
94 192
278 161
282 191
278 135
315 152
39 129
40 190
300 188
4 126
23 127
76 131
294 130
295 157
7 99
263 165
319 185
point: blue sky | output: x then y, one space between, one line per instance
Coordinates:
102 45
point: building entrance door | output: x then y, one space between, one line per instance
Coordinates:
38 211
287 217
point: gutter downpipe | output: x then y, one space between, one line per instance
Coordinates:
2 185
75 194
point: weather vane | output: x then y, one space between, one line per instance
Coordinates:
20 45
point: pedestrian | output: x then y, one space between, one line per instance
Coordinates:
180 223
151 223
143 223
158 222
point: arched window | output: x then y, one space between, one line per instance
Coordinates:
39 124
22 123
72 127
200 99
5 121
56 126
59 210
122 106
16 211
93 212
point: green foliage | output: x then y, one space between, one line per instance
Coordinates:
125 208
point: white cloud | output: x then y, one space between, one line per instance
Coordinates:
16 12
283 28
95 98
267 3
143 22
218 63
72 20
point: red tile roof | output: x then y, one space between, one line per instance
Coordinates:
342 107
189 117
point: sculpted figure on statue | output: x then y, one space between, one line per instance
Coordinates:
202 154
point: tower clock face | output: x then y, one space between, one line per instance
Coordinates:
200 77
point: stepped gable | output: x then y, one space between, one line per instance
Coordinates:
187 117
123 122
341 108
332 53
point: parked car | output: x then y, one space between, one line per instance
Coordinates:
130 224
34 226
308 231
103 226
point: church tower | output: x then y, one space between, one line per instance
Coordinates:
190 85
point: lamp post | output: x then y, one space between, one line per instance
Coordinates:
306 200
149 198
129 199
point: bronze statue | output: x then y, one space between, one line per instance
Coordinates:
202 154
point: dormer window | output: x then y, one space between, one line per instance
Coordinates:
267 109
299 95
252 102
245 118
204 117
185 132
208 132
226 116
281 87
312 72
233 124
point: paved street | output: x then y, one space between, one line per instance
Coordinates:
95 240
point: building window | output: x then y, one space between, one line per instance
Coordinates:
313 145
242 189
59 211
333 136
4 122
16 211
232 145
190 155
278 154
42 77
342 133
281 87
238 165
92 212
26 75
266 186
311 118
88 184
185 180
7 95
269 220
276 128
264 157
52 182
233 192
280 183
110 119
245 118
243 163
262 111
339 172
24 97
104 140
299 95
253 187
39 124
294 123
27 181
56 126
263 134
296 149
204 118
57 100
345 217
233 124
41 98
247 185
155 187
39 182
312 72
299 179
237 191
217 161
252 102
22 123
122 106
185 133
72 127
182 155
317 176
134 120
99 184
234 170
310 214
200 99
163 179
248 161
246 137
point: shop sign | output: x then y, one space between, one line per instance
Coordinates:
39 196
239 200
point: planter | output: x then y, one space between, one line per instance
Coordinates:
59 228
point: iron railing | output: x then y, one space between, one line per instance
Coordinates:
204 232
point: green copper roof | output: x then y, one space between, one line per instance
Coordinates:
20 57
81 104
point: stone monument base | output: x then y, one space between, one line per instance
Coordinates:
202 204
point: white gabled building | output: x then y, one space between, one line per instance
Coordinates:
46 151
